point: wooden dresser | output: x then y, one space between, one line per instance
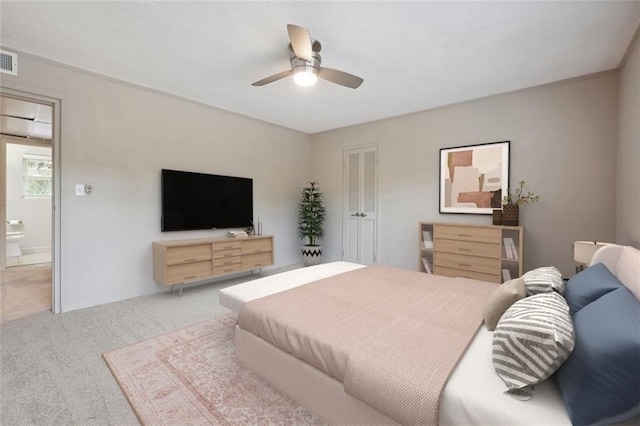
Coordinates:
484 252
181 261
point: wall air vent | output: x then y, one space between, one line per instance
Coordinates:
8 62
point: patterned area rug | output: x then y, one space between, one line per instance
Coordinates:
191 376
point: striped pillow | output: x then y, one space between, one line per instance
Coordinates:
532 339
543 280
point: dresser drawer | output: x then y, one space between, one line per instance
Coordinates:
452 272
227 245
468 263
227 269
226 261
467 233
256 246
472 248
255 261
188 254
188 272
221 254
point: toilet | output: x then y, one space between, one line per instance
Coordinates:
13 248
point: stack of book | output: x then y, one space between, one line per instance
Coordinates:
510 250
427 239
427 265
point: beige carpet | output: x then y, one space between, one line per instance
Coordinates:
24 290
191 376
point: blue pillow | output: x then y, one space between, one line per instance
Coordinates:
588 285
600 382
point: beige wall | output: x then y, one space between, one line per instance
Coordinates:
628 162
563 144
117 138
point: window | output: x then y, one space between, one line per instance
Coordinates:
37 177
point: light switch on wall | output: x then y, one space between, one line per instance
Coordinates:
80 190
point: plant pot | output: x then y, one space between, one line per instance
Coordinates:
510 214
311 255
497 217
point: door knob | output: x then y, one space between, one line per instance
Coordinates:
363 214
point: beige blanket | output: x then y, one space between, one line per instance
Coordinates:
391 336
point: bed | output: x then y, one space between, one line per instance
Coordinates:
473 393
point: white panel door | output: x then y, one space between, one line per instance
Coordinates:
361 203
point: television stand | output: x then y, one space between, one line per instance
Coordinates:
185 261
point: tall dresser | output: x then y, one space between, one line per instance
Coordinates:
484 252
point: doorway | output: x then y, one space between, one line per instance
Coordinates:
360 216
28 191
27 219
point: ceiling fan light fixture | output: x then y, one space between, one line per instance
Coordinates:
304 56
305 76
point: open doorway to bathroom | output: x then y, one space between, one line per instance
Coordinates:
26 146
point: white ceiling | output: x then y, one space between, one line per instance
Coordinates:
412 55
25 119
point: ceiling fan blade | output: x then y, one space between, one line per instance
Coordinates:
300 42
340 77
273 78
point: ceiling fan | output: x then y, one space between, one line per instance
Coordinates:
305 63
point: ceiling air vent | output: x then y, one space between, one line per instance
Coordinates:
8 62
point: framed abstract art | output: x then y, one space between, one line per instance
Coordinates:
473 178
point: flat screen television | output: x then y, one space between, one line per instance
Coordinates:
203 201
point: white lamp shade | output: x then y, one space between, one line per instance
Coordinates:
583 250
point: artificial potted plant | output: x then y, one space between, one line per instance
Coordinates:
311 214
511 204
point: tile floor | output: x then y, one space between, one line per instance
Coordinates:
29 259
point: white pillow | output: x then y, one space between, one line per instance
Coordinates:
532 340
628 269
543 280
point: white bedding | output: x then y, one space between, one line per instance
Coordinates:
236 296
474 394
